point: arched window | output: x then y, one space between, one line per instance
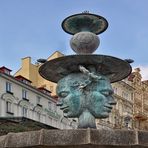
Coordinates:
24 111
9 107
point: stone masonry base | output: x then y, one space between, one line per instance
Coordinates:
80 138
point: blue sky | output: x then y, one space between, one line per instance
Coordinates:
33 28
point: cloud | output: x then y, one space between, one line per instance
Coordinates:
144 72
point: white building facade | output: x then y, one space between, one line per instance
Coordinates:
19 99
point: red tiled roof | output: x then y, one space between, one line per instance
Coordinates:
19 77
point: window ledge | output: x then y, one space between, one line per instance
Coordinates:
10 113
26 99
39 105
9 92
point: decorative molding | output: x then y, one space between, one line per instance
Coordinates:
8 96
24 103
50 113
38 109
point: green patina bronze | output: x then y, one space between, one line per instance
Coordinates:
84 80
85 22
87 96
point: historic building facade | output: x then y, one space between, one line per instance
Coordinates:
131 110
122 113
130 94
18 98
140 109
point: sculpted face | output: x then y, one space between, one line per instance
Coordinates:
100 99
94 96
70 97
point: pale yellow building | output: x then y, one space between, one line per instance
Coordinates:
30 72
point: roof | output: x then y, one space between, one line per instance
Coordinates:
54 54
43 88
12 78
19 77
3 67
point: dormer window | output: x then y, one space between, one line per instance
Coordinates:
5 70
24 80
44 90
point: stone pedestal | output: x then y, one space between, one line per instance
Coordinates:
81 138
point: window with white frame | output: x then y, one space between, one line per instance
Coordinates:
8 107
8 87
24 94
7 71
24 111
25 81
54 107
38 100
49 105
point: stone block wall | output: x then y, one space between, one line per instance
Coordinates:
81 138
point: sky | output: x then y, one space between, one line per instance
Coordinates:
33 28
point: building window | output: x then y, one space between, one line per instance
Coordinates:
25 81
49 105
54 107
115 90
125 95
38 116
8 107
38 99
24 112
7 71
24 94
8 87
